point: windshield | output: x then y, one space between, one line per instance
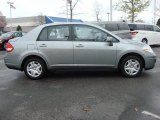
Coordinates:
6 35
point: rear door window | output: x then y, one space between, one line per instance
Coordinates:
123 27
148 28
54 33
140 27
112 27
60 33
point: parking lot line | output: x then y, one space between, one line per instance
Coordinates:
151 114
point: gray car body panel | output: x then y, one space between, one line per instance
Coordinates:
64 54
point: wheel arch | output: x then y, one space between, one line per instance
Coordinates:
32 56
144 39
131 54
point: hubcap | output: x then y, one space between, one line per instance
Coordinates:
132 67
34 69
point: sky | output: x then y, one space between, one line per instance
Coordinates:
84 9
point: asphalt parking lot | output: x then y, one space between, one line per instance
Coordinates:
80 95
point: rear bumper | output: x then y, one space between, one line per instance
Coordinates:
8 62
150 62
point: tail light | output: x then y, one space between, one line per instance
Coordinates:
133 32
9 47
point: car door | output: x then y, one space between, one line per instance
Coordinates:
156 30
55 44
91 48
150 34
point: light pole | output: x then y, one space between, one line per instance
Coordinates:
108 16
125 13
155 10
10 6
67 1
110 10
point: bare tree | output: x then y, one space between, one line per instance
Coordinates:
97 11
72 5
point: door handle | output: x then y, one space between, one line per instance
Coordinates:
80 45
43 45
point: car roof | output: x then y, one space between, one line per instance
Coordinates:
141 23
66 23
69 23
108 22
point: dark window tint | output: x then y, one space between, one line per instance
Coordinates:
112 27
123 27
140 27
148 27
132 27
58 33
43 35
156 29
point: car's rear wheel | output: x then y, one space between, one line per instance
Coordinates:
35 68
144 41
131 66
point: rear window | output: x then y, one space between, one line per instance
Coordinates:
112 27
123 27
140 27
136 27
132 27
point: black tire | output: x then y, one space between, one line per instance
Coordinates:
145 41
124 62
43 68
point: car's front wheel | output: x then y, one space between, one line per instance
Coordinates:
131 66
35 68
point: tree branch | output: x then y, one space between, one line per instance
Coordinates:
75 4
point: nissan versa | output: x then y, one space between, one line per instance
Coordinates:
61 46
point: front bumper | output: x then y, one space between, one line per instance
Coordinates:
150 62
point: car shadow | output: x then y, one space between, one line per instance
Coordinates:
83 73
89 75
155 46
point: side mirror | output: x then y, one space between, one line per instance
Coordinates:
110 40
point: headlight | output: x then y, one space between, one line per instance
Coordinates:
147 48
